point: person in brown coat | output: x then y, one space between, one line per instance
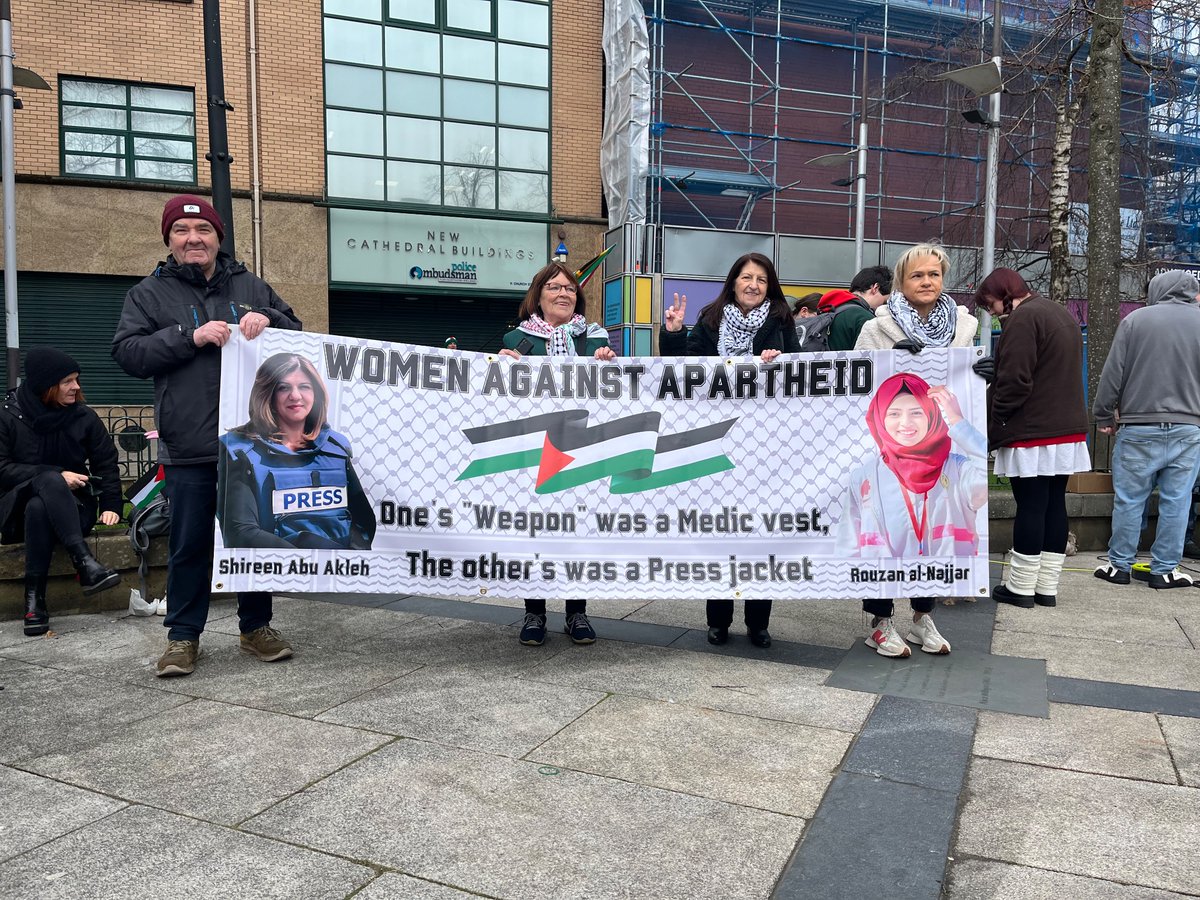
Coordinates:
1037 424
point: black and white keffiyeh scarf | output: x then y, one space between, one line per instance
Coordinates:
935 331
736 336
560 341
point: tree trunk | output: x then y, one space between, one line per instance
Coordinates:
1104 196
1068 101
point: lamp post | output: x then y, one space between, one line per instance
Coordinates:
8 102
218 132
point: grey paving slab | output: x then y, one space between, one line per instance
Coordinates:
35 810
1133 832
213 761
460 643
1125 624
457 609
915 742
499 826
390 886
607 608
312 623
1082 657
753 687
42 709
872 838
963 678
1137 698
309 683
147 854
1102 741
778 766
780 651
1183 742
832 623
977 879
1189 621
462 709
12 635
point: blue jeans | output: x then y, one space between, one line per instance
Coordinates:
1144 456
192 491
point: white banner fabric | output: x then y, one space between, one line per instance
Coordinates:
836 475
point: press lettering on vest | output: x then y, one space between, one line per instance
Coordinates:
307 499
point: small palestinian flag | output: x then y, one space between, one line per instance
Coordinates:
568 453
146 488
588 269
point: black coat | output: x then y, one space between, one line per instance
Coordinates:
80 443
153 340
775 334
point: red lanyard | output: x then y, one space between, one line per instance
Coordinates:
918 530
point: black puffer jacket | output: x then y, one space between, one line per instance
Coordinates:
153 340
78 442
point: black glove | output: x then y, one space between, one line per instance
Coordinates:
985 368
912 345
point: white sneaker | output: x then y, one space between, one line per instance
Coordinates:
160 608
138 606
925 633
886 641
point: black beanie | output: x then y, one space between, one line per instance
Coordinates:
45 367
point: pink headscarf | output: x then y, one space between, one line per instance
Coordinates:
919 466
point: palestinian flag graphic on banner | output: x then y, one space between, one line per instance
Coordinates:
567 452
146 488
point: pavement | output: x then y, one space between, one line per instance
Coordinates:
413 749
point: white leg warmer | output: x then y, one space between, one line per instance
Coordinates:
1049 572
1023 573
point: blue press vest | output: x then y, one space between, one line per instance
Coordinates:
299 491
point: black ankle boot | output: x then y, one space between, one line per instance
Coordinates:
93 576
37 619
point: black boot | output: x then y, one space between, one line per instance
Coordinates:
93 576
37 619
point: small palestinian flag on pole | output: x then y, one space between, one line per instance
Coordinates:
588 269
568 453
146 488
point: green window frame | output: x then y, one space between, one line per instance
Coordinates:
126 131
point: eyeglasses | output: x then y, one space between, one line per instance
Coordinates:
556 288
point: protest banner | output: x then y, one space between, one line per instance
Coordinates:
836 475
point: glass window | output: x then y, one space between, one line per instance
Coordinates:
524 65
469 15
423 11
414 138
416 50
523 149
410 182
353 86
355 42
355 177
473 144
353 132
124 130
356 9
471 187
524 106
420 95
524 192
528 22
468 58
472 100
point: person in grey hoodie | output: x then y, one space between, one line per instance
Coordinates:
1149 395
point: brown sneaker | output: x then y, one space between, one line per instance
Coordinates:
267 644
179 659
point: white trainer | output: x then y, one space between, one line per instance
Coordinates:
886 640
925 633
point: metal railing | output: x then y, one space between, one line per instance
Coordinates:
131 427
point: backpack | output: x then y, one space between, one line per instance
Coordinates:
145 523
813 332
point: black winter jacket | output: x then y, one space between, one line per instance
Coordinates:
702 341
153 340
82 444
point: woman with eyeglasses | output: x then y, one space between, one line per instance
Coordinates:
750 317
552 324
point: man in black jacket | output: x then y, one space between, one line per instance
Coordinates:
172 328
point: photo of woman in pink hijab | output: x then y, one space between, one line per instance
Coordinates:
916 498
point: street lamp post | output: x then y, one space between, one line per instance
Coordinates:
218 132
12 333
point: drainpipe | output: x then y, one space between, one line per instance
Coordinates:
255 180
